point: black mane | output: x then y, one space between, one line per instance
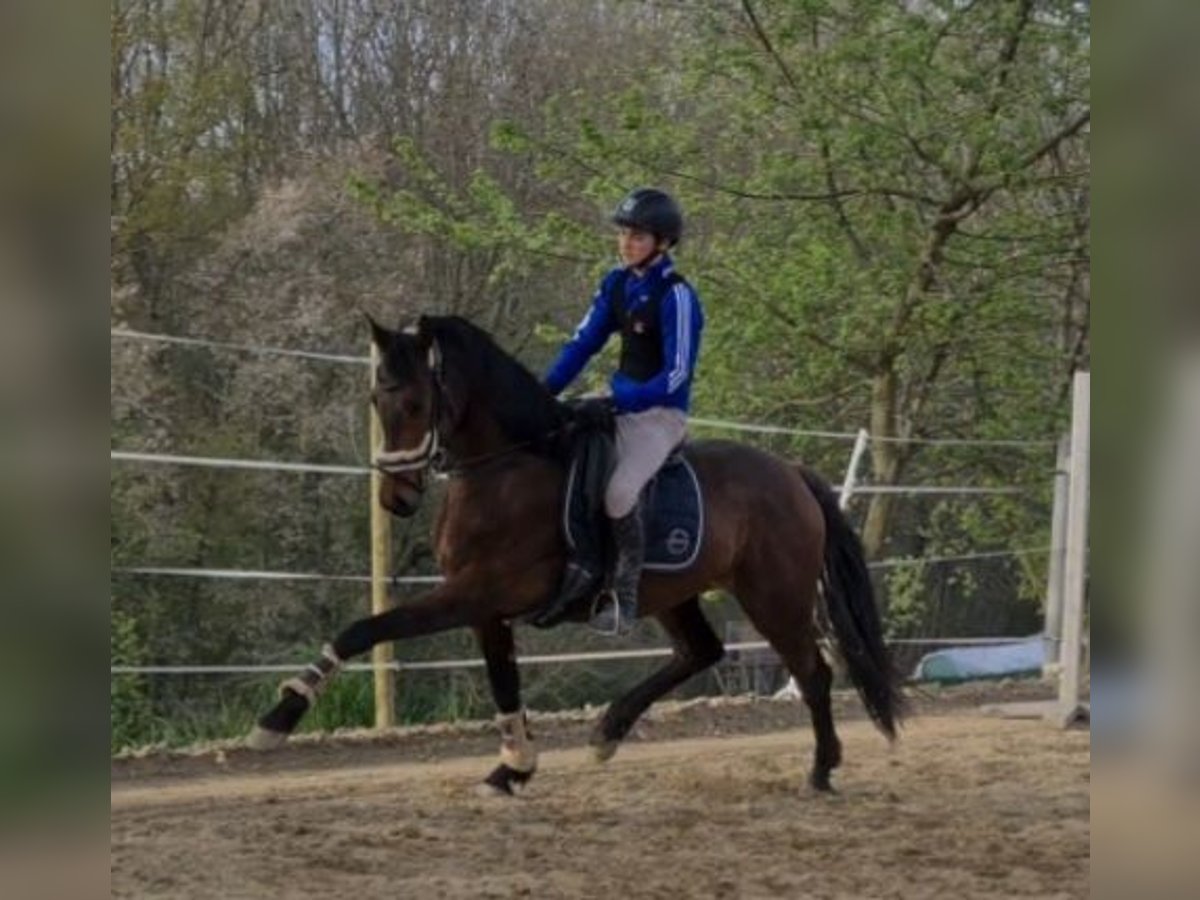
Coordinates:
522 407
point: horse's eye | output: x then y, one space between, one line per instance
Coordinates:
412 407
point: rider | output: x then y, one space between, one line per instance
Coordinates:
659 318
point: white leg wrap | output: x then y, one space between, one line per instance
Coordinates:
334 659
316 675
516 747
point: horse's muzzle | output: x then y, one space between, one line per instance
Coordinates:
401 494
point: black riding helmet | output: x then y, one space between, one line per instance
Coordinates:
652 210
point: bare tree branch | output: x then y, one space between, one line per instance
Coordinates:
1051 143
769 47
834 193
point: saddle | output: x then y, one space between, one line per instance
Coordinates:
672 512
672 508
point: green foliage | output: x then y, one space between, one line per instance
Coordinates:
909 600
478 217
130 709
348 702
871 202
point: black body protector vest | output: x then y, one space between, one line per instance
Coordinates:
641 329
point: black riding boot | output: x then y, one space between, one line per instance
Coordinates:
616 616
579 583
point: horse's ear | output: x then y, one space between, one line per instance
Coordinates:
381 336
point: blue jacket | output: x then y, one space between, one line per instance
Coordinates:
681 320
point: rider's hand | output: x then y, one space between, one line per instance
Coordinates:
593 412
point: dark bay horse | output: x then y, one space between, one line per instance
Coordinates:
448 395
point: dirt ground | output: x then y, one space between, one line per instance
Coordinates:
965 805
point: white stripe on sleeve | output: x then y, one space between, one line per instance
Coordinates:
583 323
683 337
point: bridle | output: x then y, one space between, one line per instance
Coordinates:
429 455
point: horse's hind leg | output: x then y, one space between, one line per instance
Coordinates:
816 690
518 758
696 648
787 623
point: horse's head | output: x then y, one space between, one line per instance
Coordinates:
410 401
446 382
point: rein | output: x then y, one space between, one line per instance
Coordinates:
474 463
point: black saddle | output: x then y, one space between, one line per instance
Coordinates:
672 511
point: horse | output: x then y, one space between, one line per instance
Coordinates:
448 397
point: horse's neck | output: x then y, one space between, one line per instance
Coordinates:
480 432
491 385
479 435
496 507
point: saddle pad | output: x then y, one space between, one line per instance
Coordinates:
672 515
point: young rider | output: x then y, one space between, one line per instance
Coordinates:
659 318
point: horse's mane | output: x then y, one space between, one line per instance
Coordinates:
522 407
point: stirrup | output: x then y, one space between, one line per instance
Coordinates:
578 583
609 618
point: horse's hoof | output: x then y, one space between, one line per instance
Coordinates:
486 791
261 738
603 751
503 779
819 782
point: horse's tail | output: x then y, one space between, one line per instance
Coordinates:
850 601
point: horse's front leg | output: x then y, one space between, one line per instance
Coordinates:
445 608
518 757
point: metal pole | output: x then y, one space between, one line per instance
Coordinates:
1075 569
381 539
1052 632
851 479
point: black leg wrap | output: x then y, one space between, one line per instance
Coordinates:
504 777
285 715
609 729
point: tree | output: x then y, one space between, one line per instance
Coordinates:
885 195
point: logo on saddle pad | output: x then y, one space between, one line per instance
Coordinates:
679 542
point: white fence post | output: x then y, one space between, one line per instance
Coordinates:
1075 568
850 482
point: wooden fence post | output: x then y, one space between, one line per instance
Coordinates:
382 655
